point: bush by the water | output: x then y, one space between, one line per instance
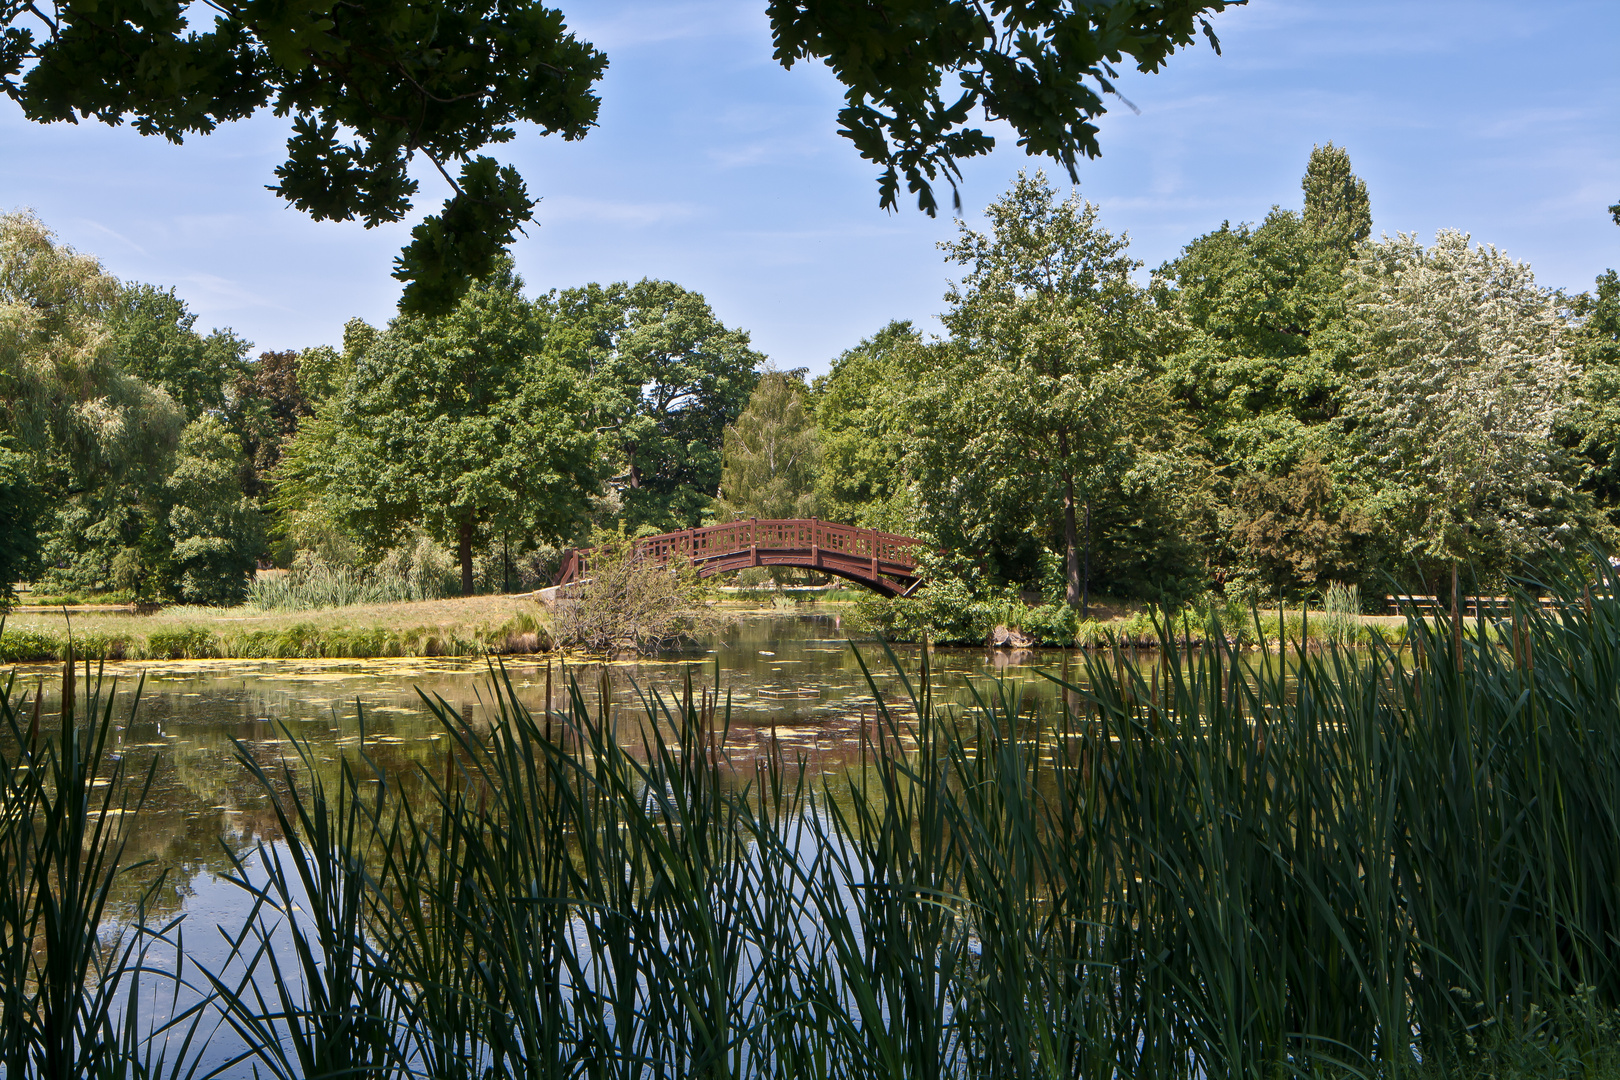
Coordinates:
624 600
949 612
1359 863
421 571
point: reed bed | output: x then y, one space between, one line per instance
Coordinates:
472 626
1362 862
314 585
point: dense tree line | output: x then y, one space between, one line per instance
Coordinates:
1283 406
142 458
517 423
127 438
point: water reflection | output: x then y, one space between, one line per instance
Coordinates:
793 684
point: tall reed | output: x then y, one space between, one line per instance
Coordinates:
1335 862
316 585
70 981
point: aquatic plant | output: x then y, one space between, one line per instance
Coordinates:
1340 862
70 983
314 584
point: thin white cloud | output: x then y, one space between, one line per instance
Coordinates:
98 227
561 208
212 293
1518 123
637 25
766 151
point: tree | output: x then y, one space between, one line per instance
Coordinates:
1337 210
97 439
272 405
629 601
1294 529
324 371
462 425
1042 68
1049 326
1592 428
665 378
216 531
156 340
370 86
1466 379
862 424
21 506
1261 356
769 469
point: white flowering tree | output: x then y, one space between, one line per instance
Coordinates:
1466 379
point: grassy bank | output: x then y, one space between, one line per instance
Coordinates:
946 617
468 626
1362 863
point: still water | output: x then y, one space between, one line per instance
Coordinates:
793 683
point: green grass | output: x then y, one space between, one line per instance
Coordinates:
460 627
1359 863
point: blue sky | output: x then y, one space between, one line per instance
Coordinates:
715 168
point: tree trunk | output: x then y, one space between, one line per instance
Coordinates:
1071 539
464 554
1085 570
1456 618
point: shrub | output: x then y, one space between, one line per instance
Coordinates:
946 612
1048 624
628 602
420 571
28 646
183 643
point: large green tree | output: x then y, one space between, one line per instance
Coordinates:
462 424
769 468
665 378
216 531
1338 213
98 439
1048 388
370 86
1592 428
1260 354
862 426
155 338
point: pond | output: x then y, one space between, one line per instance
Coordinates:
793 683
793 689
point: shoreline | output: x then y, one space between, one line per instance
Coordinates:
461 627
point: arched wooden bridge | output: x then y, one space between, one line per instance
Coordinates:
881 561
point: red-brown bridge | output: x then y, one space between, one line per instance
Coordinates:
881 561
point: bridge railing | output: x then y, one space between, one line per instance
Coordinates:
890 551
779 533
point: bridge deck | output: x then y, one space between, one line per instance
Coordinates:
883 562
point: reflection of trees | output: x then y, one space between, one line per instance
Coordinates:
187 727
